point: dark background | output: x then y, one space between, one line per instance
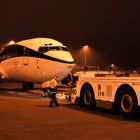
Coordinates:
110 27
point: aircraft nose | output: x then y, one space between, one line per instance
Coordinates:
68 57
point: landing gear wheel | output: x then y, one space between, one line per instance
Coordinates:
127 103
87 97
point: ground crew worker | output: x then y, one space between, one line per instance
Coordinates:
53 91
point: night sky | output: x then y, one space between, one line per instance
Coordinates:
110 27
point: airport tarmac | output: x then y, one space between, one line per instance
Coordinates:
25 115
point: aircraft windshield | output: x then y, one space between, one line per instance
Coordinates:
51 48
54 48
43 49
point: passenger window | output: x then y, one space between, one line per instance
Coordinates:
11 51
43 49
26 51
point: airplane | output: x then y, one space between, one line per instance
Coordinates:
35 60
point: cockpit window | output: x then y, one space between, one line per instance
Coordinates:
52 48
64 49
56 48
43 49
46 49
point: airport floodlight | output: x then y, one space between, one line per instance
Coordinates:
11 42
85 55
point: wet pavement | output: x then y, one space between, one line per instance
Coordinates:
25 115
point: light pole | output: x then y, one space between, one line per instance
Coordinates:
85 53
113 67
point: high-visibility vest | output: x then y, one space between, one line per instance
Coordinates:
53 83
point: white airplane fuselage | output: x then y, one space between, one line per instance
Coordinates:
36 60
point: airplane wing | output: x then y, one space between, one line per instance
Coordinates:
81 68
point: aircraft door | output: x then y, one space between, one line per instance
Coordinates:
25 56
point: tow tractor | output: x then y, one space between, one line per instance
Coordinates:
118 92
